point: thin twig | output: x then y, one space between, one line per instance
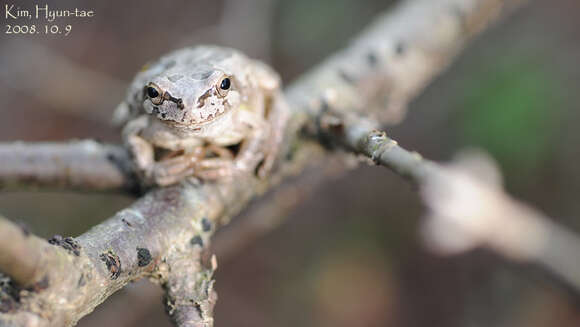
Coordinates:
469 208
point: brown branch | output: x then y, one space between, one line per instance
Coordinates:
77 165
396 56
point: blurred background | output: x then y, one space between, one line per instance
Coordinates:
351 254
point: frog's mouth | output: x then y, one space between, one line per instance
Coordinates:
189 120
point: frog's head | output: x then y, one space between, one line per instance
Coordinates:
192 95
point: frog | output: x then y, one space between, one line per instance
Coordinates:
207 112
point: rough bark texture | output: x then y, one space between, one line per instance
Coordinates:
161 235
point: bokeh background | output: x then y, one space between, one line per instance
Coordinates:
351 254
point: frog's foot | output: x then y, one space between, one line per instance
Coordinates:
172 170
215 168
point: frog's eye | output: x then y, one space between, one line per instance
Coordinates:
224 86
154 93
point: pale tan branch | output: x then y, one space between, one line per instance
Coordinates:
37 266
22 255
190 297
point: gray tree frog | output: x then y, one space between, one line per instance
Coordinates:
205 111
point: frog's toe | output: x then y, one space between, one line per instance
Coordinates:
214 169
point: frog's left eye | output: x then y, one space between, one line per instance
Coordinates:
224 87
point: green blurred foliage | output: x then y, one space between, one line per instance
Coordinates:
511 108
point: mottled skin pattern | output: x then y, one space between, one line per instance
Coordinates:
207 112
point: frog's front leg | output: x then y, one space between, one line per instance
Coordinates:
253 147
139 148
263 143
279 114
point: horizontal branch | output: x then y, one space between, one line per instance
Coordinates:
76 165
395 56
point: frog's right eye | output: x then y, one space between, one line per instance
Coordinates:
154 93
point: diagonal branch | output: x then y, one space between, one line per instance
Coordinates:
23 257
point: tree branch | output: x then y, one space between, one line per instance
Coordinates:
22 256
190 297
77 165
395 56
